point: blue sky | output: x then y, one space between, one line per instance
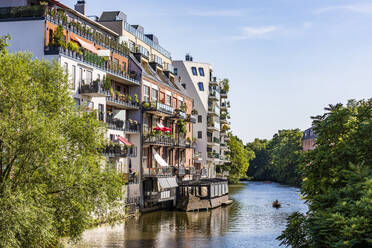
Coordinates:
286 59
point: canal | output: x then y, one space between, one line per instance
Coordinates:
250 221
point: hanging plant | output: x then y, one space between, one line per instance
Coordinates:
181 126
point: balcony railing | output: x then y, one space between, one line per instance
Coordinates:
158 107
213 155
23 12
179 114
94 89
159 140
159 171
214 95
132 127
114 123
159 196
214 126
181 142
213 111
117 150
122 104
93 60
223 93
191 118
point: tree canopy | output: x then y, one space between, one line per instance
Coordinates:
239 160
277 159
337 181
53 178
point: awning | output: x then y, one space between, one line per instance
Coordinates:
159 159
124 141
85 44
167 183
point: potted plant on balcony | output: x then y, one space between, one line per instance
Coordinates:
118 96
145 105
136 100
129 98
194 112
184 107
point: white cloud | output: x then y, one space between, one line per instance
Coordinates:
357 8
217 13
258 31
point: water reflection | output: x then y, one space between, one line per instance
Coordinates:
249 222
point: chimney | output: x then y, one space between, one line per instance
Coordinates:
81 6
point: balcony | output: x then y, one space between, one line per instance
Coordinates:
159 140
198 157
158 108
214 95
95 89
114 70
213 155
180 143
24 12
179 114
114 123
166 195
213 82
213 111
132 127
213 141
191 118
223 94
181 171
213 126
159 172
191 144
121 103
223 119
116 150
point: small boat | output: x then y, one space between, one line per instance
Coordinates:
276 204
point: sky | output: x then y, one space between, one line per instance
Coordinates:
286 59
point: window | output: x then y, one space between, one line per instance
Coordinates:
184 86
50 36
89 77
101 112
81 78
146 93
201 86
65 67
118 88
200 134
168 100
200 119
175 70
73 77
154 95
201 71
180 103
194 72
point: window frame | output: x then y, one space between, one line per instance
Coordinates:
146 93
201 86
201 71
154 95
194 71
200 134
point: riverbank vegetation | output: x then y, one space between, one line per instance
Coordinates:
337 182
52 175
239 160
277 159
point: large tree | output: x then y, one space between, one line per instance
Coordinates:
259 168
285 151
53 178
239 159
337 181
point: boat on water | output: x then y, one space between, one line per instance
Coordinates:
276 204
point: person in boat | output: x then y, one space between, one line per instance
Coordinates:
276 204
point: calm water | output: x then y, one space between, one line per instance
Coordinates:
250 221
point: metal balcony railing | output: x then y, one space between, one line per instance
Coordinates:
159 171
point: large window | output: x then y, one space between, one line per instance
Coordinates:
200 118
201 86
146 93
89 77
200 134
73 77
155 95
201 71
194 72
175 70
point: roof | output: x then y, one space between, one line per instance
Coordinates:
203 182
110 16
309 134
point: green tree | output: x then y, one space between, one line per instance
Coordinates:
285 151
259 167
239 160
52 175
4 44
337 181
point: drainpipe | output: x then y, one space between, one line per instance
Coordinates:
142 193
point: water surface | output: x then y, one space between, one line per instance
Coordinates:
250 221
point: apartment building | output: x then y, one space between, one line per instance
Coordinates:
198 80
127 78
308 140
